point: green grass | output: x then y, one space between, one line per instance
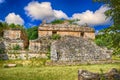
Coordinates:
116 57
51 72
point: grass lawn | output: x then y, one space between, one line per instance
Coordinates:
51 72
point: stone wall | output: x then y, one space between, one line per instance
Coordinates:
89 35
44 33
16 54
78 49
14 37
12 34
66 30
10 44
2 46
41 45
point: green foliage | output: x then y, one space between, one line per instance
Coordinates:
16 47
116 51
3 26
113 12
99 42
2 51
58 21
110 39
48 72
48 52
116 57
13 26
35 62
102 75
55 36
32 33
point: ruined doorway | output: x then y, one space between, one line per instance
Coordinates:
82 34
54 32
58 56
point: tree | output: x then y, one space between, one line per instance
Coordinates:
114 13
32 33
110 39
3 26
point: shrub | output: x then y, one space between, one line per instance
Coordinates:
16 47
48 52
55 36
2 51
57 21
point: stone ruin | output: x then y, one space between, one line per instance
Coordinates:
45 31
76 43
70 48
66 29
113 74
12 38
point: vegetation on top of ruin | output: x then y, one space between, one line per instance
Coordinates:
58 21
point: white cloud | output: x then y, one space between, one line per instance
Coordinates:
60 14
92 18
14 18
40 11
1 1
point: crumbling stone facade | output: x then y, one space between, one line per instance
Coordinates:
12 38
78 49
40 45
12 34
66 30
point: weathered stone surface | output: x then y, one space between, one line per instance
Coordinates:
14 37
12 34
23 55
66 30
70 48
2 45
9 44
41 45
113 74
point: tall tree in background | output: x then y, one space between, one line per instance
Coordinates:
113 12
32 33
113 32
3 26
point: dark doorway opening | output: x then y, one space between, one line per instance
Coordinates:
82 34
58 56
54 32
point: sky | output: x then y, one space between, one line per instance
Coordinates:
31 12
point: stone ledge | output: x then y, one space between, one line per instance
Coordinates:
10 65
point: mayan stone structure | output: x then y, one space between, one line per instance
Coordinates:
76 43
70 48
12 38
66 29
45 31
